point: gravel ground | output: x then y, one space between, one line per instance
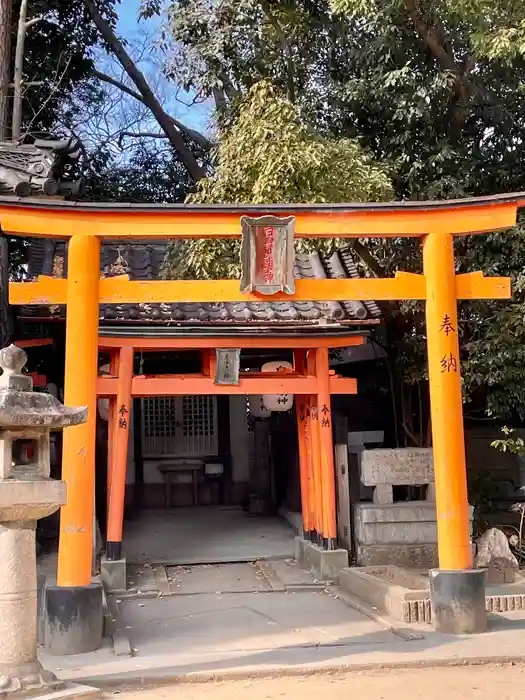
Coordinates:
466 682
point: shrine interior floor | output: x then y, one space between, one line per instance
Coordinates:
205 535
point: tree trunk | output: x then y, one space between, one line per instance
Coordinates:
165 122
5 66
18 72
6 326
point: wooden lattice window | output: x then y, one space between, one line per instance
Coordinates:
178 426
160 417
198 416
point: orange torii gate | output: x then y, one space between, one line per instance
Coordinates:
86 224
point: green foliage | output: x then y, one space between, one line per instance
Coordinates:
509 444
415 84
59 53
266 156
149 8
493 333
270 156
220 49
355 8
145 176
496 28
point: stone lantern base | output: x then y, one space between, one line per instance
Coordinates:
27 678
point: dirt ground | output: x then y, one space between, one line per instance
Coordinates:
467 682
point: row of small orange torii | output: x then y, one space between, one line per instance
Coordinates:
435 223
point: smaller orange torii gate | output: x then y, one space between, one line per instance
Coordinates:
85 225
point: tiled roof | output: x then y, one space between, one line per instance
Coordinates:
144 262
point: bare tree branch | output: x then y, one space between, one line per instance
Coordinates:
219 98
139 134
31 22
366 257
165 122
54 88
117 83
196 136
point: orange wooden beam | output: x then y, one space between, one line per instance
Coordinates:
173 385
306 506
326 449
78 454
121 290
316 468
352 221
299 361
446 404
45 291
198 343
205 362
114 371
312 432
343 385
120 435
313 488
474 285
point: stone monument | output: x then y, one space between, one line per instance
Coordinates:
494 555
26 494
401 533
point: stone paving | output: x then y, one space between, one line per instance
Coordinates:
301 627
199 535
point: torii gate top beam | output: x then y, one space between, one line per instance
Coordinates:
59 219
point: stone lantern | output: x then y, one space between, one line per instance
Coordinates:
26 494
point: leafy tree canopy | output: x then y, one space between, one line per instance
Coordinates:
269 155
420 85
496 29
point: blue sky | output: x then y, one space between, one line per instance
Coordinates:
128 27
127 22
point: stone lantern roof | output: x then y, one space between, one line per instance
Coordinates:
20 406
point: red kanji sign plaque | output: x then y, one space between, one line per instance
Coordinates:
268 254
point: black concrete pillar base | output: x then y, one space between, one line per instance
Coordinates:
74 619
458 601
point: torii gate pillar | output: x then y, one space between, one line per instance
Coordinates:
76 599
457 590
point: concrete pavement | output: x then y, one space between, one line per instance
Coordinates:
239 635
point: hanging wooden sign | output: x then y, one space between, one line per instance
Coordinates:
227 366
267 254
